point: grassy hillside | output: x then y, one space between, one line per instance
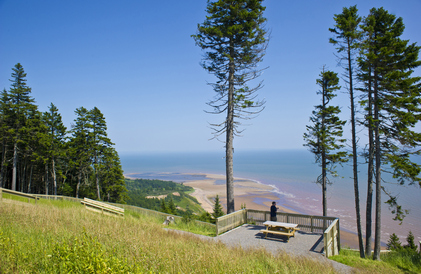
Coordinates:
64 237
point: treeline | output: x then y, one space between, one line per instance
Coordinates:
139 189
39 155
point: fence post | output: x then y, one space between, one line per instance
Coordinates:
1 196
217 226
311 224
339 236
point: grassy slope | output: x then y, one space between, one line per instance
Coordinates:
58 236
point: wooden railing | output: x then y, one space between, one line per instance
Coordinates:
230 221
332 241
308 223
103 206
328 226
17 193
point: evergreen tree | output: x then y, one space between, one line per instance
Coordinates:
164 207
56 133
411 242
21 103
80 148
389 62
394 243
347 36
171 207
112 179
99 142
323 137
234 38
217 208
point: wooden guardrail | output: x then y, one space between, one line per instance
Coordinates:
331 238
17 193
103 206
230 221
328 226
308 223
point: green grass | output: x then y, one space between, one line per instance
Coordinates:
391 262
64 237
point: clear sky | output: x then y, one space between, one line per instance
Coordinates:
136 62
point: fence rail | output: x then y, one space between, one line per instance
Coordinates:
308 223
103 206
17 193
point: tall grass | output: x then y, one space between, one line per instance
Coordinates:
391 262
64 237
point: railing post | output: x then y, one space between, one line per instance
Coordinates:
311 224
339 235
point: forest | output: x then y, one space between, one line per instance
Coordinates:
40 155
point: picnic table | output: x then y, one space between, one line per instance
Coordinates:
279 228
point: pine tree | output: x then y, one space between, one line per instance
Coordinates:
21 103
394 243
389 62
347 43
411 242
324 137
80 147
99 142
234 38
56 133
171 207
164 207
217 208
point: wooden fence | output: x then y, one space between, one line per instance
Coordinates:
308 223
331 237
17 193
102 206
230 221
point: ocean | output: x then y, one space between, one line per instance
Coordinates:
293 174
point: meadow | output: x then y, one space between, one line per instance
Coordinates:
64 237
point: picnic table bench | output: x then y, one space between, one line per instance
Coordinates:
103 206
278 228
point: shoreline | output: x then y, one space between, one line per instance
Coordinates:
251 193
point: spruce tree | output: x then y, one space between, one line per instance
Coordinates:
235 40
21 103
346 40
323 137
217 208
394 243
56 133
99 142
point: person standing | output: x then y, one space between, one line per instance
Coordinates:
273 210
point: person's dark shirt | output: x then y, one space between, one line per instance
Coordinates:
273 211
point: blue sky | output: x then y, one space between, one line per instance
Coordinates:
136 62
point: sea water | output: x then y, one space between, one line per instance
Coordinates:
293 174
